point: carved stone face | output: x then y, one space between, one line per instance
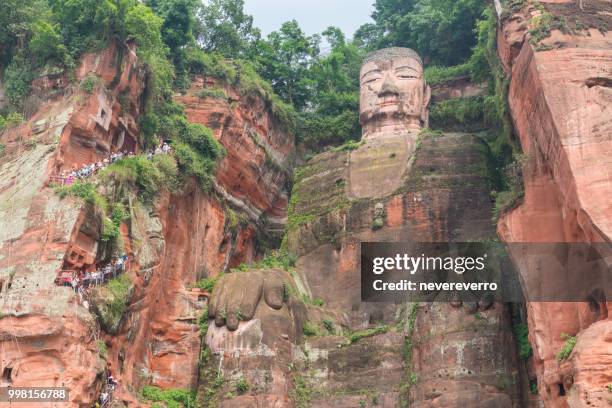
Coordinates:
394 96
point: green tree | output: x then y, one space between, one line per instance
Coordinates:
144 27
333 114
179 25
225 28
46 43
179 18
440 30
16 20
87 24
17 78
284 59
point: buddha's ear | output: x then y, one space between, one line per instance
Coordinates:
425 107
426 97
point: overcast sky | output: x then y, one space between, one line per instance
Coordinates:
313 16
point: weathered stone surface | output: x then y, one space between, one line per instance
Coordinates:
461 87
260 154
560 104
46 337
441 197
182 238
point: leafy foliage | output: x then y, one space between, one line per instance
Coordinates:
12 119
457 112
279 259
440 30
110 226
85 191
46 43
242 386
102 350
225 28
284 59
146 177
436 74
311 329
301 392
17 77
203 322
358 335
208 284
88 84
568 347
171 398
215 93
521 334
113 299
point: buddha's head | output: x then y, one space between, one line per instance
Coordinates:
394 95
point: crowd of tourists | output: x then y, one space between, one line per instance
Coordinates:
81 281
106 396
68 177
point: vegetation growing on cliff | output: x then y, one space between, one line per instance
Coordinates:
312 93
521 334
361 334
568 347
435 74
108 213
12 119
171 398
110 302
460 113
279 259
410 377
441 31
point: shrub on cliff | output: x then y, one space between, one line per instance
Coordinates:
171 398
436 74
209 64
144 176
521 334
373 331
110 302
461 112
12 119
194 164
86 192
568 347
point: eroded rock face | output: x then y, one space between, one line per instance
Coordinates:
560 103
47 337
171 244
194 235
255 174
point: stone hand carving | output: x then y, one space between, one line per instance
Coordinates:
238 295
394 96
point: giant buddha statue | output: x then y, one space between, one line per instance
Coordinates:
400 185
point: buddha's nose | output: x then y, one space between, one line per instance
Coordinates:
388 88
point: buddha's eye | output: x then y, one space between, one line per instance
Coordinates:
371 79
405 75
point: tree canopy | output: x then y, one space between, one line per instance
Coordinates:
314 76
442 31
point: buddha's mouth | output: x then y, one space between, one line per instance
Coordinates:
389 102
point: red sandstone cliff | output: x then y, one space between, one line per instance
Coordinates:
47 336
560 100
